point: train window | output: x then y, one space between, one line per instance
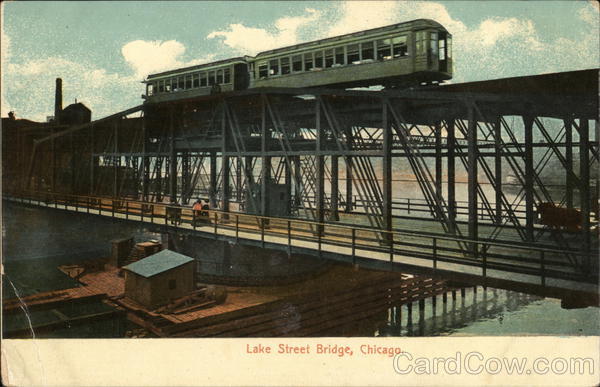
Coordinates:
384 49
434 41
167 86
367 51
161 86
339 56
329 58
399 47
442 52
421 42
308 61
203 79
319 59
149 88
285 65
297 63
181 84
263 71
353 54
196 80
211 78
449 46
188 81
227 74
274 67
219 77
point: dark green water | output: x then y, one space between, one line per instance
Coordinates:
35 241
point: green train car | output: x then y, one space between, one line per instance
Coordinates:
395 56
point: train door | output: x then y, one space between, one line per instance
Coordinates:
240 76
443 51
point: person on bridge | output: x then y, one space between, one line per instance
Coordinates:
196 208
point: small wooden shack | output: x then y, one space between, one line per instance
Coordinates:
159 278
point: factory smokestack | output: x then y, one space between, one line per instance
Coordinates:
58 100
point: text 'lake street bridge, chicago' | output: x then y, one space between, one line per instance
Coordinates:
489 183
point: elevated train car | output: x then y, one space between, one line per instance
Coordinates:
399 55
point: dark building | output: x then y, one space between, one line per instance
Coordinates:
75 114
159 278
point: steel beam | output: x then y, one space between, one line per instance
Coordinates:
438 160
114 159
288 183
529 178
224 161
584 189
320 164
387 170
212 182
238 179
472 179
569 161
498 169
334 214
297 182
265 161
451 136
349 161
172 159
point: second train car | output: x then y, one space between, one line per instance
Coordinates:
399 55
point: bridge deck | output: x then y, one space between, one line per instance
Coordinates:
543 270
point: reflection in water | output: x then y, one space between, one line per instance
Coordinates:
436 318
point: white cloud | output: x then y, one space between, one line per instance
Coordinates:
360 15
250 40
147 57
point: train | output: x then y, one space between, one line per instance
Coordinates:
395 56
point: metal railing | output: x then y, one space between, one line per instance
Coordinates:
359 241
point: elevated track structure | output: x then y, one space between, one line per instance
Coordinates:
390 166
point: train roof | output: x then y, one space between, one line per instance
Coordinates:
240 59
357 34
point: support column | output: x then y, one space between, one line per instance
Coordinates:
145 162
212 182
498 167
438 161
450 138
114 160
186 177
584 180
297 181
529 171
238 179
158 163
320 167
569 161
387 171
249 181
334 189
172 159
472 178
288 184
224 162
349 161
265 164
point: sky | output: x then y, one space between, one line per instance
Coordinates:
103 50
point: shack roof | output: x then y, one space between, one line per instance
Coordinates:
158 263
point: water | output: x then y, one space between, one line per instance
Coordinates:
491 312
36 241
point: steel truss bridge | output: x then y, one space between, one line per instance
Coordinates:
443 181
